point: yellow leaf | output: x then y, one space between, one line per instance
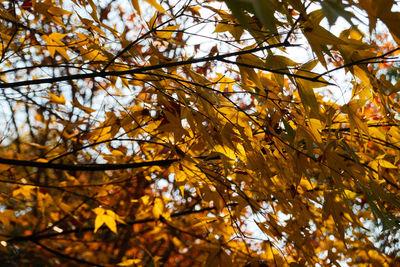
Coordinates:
223 27
98 222
248 73
114 215
268 251
104 136
315 128
110 222
6 217
167 32
145 199
80 106
117 153
58 11
204 221
156 259
93 14
387 164
99 211
306 92
54 43
307 184
382 9
306 87
129 262
50 12
317 36
354 119
229 153
152 22
158 208
176 242
108 217
350 194
251 60
24 190
135 4
156 5
56 99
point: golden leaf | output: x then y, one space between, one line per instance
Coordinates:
136 6
158 208
56 99
110 222
156 5
167 32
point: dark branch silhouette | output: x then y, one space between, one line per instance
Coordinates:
86 167
85 229
138 70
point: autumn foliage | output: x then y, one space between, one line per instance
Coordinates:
199 133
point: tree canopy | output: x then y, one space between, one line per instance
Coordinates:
199 133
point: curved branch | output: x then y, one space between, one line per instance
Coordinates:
86 167
358 62
77 230
138 70
313 79
55 252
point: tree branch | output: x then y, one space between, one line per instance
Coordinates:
84 229
86 167
358 62
55 252
313 79
138 70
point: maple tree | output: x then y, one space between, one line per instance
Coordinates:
178 133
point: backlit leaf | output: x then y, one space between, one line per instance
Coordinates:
110 222
167 31
158 208
156 5
56 99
